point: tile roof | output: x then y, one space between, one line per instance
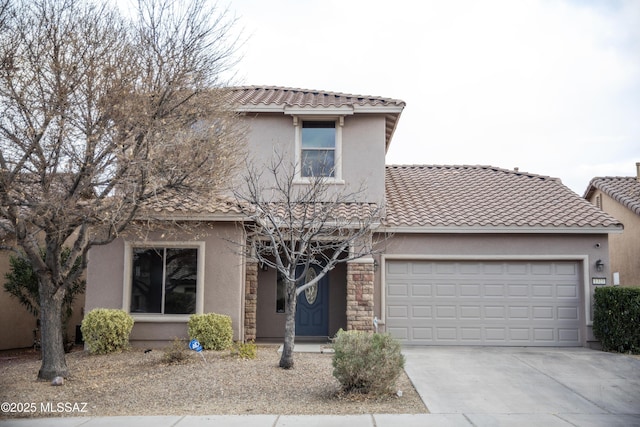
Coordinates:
485 198
183 205
295 100
285 96
624 189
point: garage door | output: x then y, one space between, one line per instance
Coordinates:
483 303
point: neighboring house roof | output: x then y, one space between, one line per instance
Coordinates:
273 99
486 199
623 189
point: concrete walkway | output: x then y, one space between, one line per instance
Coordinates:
464 386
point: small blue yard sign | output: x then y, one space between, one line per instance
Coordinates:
195 345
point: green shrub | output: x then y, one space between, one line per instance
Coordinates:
366 363
106 330
247 350
176 352
616 319
212 330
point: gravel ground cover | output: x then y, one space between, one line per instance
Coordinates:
139 383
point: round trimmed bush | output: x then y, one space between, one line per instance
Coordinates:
213 331
367 363
106 330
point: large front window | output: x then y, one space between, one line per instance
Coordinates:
164 280
318 144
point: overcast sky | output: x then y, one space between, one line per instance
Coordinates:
551 87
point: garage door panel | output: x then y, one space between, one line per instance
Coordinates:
494 290
568 313
484 303
566 291
398 312
422 311
398 290
470 312
421 289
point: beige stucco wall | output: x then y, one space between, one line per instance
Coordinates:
223 281
583 248
624 248
363 148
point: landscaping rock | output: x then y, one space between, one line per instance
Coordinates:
57 381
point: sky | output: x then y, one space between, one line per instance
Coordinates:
549 87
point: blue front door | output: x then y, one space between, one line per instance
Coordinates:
312 314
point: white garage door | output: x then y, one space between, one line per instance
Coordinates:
497 303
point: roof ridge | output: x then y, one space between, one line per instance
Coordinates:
614 177
477 166
315 91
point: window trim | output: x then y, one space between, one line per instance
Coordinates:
297 124
128 272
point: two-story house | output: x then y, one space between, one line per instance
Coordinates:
472 255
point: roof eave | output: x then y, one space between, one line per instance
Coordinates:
501 230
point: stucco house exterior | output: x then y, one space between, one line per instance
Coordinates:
620 197
466 255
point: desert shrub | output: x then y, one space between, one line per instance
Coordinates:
366 363
245 350
616 318
106 330
176 352
212 330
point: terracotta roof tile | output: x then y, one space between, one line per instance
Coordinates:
625 190
484 196
183 204
274 95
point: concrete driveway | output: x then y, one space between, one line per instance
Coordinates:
497 386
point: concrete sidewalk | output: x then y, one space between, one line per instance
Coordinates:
250 421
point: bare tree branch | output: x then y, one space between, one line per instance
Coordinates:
293 226
103 115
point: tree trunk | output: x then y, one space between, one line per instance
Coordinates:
286 360
53 360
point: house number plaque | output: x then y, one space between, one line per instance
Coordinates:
598 281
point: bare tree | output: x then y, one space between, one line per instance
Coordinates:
100 115
294 226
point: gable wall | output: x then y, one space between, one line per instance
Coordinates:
624 248
363 148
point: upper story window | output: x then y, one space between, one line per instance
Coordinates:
318 149
318 145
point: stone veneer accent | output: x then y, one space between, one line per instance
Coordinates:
250 299
360 275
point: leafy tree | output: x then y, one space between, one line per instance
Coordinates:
296 226
102 115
